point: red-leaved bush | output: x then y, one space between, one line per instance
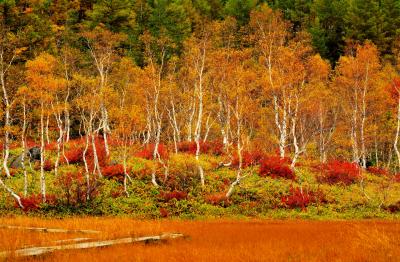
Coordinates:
208 147
51 146
74 156
75 190
114 171
218 199
178 195
164 212
34 201
339 172
378 171
147 152
48 165
249 158
276 167
75 153
393 208
301 198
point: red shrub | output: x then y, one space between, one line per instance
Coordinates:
208 147
33 202
114 171
51 146
74 156
212 147
147 152
13 171
339 172
115 142
274 166
101 154
48 165
30 203
301 198
30 143
378 171
75 153
187 147
249 158
164 212
396 178
178 195
117 192
393 208
74 188
218 199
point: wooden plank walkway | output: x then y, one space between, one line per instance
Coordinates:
35 251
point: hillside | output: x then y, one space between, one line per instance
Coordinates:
270 190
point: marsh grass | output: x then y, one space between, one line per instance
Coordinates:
218 240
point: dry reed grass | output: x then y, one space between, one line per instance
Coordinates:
218 240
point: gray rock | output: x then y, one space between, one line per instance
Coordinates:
17 162
34 153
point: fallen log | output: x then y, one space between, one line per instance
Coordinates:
51 230
63 241
79 239
35 251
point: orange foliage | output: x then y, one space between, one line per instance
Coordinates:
218 240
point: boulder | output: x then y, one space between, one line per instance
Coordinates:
17 162
34 153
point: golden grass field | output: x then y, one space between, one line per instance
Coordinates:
215 240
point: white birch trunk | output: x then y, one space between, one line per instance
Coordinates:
42 155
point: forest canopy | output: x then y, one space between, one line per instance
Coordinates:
297 79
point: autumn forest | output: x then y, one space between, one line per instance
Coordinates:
91 84
220 129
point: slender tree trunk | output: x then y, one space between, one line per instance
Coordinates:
125 156
282 126
239 151
364 116
197 135
200 113
208 127
189 123
6 124
47 129
12 193
23 134
297 150
96 165
354 126
396 138
59 141
105 129
42 155
156 155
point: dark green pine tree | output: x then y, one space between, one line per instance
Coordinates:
169 19
363 21
240 9
391 25
116 15
298 12
327 28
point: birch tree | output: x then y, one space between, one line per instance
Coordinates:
269 32
9 52
356 80
41 78
102 45
196 52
